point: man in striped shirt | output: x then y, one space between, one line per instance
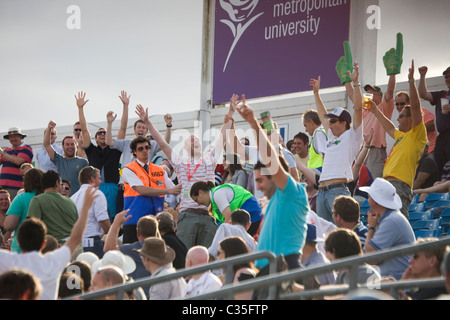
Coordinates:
12 158
195 225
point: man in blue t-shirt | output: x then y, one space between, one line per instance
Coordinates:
284 226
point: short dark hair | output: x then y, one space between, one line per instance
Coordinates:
147 226
347 208
312 115
240 217
138 121
31 234
166 223
259 165
14 283
49 179
343 243
302 136
67 137
137 140
32 180
86 174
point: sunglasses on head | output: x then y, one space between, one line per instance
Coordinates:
140 149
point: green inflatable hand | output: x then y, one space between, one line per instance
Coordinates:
344 64
393 58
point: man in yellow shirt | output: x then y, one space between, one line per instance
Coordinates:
410 140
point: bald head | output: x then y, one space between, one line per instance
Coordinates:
197 255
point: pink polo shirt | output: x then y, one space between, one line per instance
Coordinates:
371 122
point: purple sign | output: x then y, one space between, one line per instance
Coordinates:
270 47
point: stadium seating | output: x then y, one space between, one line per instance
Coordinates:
420 215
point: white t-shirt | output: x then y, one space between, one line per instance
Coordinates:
320 140
227 230
206 283
48 268
98 211
340 153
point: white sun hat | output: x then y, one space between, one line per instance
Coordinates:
383 193
115 258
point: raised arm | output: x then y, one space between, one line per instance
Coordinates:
320 107
86 135
113 233
423 91
357 97
47 140
110 117
233 139
165 147
268 154
416 112
124 120
387 124
168 120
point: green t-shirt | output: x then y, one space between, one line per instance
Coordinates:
58 212
19 207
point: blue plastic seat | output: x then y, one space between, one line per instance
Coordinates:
445 216
417 207
432 224
420 215
425 233
438 196
441 203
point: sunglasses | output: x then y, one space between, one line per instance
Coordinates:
77 130
66 188
140 149
333 120
99 133
400 103
402 115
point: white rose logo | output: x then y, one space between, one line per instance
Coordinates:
240 12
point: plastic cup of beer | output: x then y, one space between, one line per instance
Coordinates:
367 101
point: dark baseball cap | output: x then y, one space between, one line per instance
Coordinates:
446 71
374 88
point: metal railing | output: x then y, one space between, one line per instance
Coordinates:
227 264
274 279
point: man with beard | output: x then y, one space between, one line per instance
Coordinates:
67 164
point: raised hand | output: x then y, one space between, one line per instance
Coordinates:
245 111
393 58
423 71
111 116
168 119
81 99
141 112
355 75
51 125
124 98
234 100
315 84
345 64
411 72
